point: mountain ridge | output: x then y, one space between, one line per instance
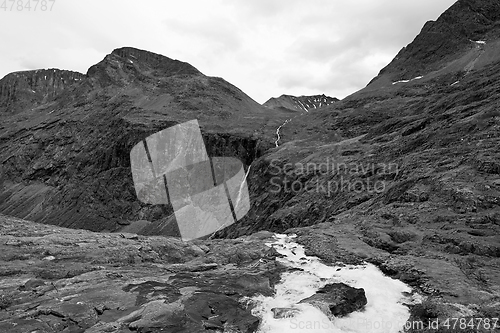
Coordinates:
300 103
145 64
31 88
62 160
465 36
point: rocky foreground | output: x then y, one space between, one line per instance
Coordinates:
63 280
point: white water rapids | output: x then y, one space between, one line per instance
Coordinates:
383 313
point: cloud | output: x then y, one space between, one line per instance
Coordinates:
209 37
265 47
352 47
258 9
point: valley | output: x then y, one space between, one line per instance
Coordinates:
385 204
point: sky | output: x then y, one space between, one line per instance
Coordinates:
265 47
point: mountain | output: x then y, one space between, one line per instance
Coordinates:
301 103
29 89
64 150
463 38
405 175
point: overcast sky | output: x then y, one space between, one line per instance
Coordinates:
264 47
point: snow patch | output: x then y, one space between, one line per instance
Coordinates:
302 105
405 81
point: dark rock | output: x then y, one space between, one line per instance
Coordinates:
33 284
220 310
279 313
420 125
488 164
338 299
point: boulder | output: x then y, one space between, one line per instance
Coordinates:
337 299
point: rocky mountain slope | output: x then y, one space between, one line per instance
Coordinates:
301 103
463 38
405 175
64 158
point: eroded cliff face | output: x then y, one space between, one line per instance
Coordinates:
28 89
84 180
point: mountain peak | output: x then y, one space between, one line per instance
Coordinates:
451 44
300 103
127 64
27 89
157 61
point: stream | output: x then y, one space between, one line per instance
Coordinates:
384 312
278 136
